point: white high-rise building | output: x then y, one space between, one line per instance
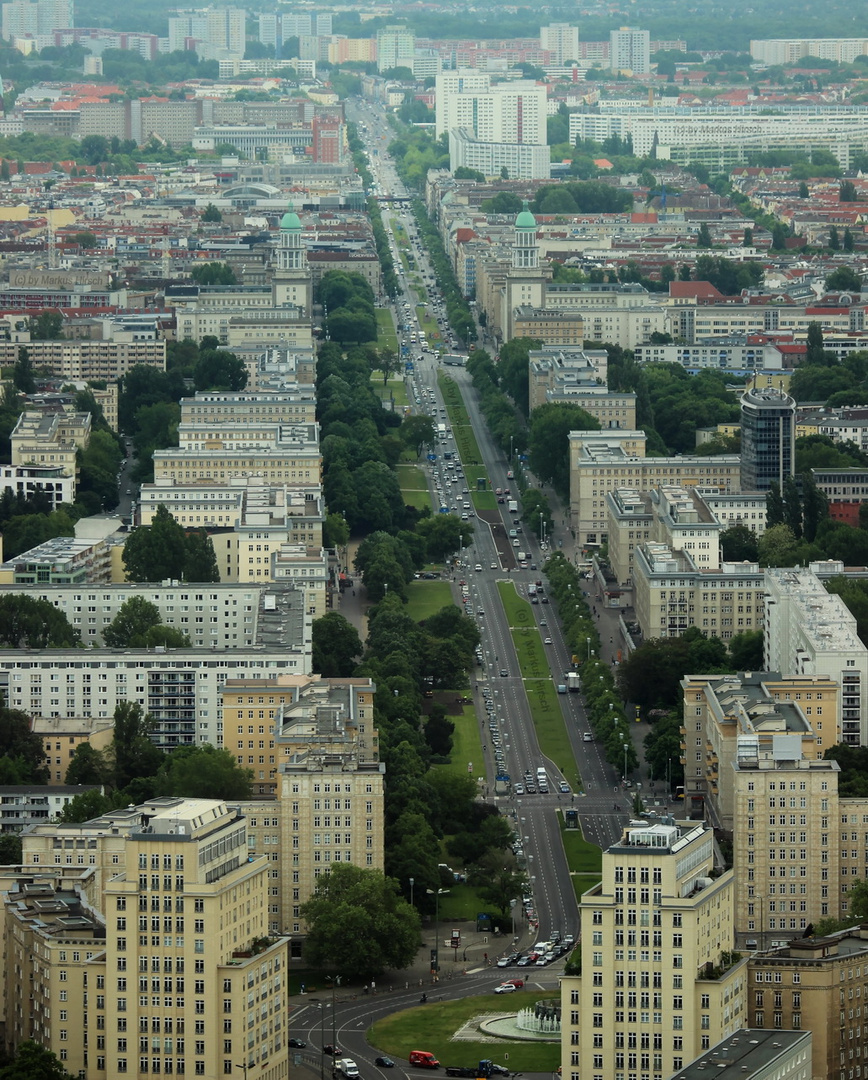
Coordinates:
630 50
396 47
36 18
512 112
561 40
218 33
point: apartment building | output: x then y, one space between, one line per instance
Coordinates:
733 718
396 47
232 616
731 354
788 50
659 981
814 984
52 481
561 40
555 372
671 593
314 753
759 1055
50 440
242 504
87 360
36 19
295 461
213 33
63 560
522 161
180 688
808 631
630 50
553 328
62 735
602 461
509 112
23 805
174 971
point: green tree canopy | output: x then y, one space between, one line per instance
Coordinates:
203 772
164 550
28 623
138 625
358 922
550 426
336 646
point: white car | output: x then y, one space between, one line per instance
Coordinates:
506 988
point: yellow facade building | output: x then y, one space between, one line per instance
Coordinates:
660 982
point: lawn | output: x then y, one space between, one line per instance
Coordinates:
433 1027
583 858
461 904
424 598
393 390
465 442
466 747
583 882
538 684
386 336
411 477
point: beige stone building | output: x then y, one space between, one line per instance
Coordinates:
817 985
50 439
184 978
659 980
671 594
601 461
566 328
314 752
62 735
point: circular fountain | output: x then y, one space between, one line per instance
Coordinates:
539 1023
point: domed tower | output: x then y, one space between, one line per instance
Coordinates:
525 283
525 254
290 283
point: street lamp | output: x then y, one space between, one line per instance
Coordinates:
412 883
625 760
335 980
589 646
435 961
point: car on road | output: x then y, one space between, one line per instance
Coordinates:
506 988
543 622
332 1050
297 1044
518 789
493 566
564 787
384 1062
548 641
478 568
504 674
524 961
504 961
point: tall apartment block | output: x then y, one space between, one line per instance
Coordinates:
213 33
808 631
36 18
630 50
396 47
513 112
167 966
659 981
561 40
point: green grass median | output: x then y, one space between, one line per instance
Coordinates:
539 683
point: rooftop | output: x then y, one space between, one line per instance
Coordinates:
748 1051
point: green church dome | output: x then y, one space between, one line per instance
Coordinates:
525 219
291 221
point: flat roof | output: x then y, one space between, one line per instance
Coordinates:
751 1049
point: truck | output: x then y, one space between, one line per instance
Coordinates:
522 556
345 1069
512 506
574 682
441 431
484 1069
